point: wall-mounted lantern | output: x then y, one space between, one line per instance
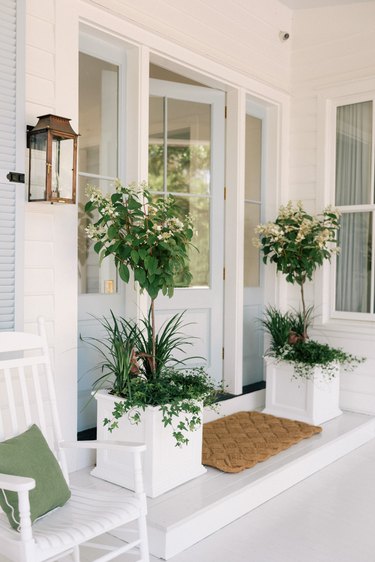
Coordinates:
52 160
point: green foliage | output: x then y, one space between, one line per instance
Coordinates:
297 243
116 349
176 393
127 371
168 340
289 344
144 234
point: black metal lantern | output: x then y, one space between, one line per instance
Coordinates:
52 160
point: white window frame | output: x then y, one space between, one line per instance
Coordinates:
369 316
325 281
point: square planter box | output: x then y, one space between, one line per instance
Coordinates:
165 466
313 401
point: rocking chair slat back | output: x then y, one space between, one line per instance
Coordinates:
27 390
27 396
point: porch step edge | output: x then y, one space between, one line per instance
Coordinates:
171 540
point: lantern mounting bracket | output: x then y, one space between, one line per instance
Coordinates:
16 177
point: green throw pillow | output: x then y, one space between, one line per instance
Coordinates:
28 454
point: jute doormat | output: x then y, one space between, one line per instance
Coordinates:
241 440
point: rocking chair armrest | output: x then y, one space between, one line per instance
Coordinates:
123 446
16 483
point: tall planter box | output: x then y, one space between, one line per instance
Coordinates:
165 466
313 401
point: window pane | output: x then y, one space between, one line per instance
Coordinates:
98 116
199 209
93 277
253 157
38 148
251 254
156 144
353 154
353 285
62 167
188 148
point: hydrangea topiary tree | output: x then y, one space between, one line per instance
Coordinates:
146 235
298 243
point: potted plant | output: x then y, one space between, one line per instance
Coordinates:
144 393
302 374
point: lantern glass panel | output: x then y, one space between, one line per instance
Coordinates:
37 179
62 168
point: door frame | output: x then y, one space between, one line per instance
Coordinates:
238 100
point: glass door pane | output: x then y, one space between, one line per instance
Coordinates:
180 165
98 161
253 293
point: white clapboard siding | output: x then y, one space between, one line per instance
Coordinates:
8 161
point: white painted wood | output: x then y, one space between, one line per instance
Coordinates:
52 34
165 465
12 146
231 37
346 74
86 514
336 498
244 402
313 401
234 240
184 516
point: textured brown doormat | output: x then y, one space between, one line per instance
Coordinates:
241 440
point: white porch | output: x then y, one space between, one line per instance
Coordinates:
188 514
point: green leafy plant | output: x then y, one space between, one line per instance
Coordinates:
148 236
297 243
289 344
179 395
126 373
144 234
169 339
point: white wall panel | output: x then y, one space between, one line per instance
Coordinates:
239 34
332 47
51 230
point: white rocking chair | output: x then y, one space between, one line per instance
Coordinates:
27 397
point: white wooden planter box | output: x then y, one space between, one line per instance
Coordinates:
165 466
312 401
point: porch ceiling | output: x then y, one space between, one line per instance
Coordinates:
307 4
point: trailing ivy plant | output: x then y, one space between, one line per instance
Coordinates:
289 344
179 396
126 372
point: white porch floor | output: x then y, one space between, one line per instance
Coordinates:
328 517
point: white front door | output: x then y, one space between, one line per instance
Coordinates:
101 91
186 160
